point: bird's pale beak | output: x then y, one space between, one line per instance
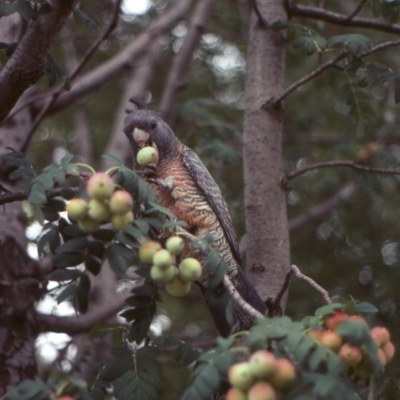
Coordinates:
141 137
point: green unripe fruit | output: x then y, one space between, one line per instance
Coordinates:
162 259
177 288
175 245
99 211
146 156
262 364
121 202
147 250
100 186
122 221
88 224
77 209
189 270
240 376
162 275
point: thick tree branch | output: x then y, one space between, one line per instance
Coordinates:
112 68
25 66
45 107
181 65
341 19
83 322
348 164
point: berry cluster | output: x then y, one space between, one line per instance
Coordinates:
163 263
106 205
353 356
260 377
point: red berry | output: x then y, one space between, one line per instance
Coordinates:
380 335
262 364
332 321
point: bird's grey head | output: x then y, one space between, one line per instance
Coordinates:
146 128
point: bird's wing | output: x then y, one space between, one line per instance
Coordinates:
213 194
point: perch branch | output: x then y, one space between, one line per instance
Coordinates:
312 283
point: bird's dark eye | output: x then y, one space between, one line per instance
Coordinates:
153 124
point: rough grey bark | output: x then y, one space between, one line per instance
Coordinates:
268 255
25 66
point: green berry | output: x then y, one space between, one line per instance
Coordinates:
175 245
189 269
147 250
162 258
177 288
99 211
162 275
146 156
77 209
100 186
122 221
121 202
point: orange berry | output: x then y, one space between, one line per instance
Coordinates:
331 340
284 374
350 355
261 391
380 335
389 350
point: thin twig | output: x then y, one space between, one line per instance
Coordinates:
341 19
304 80
357 10
85 59
246 307
348 164
312 283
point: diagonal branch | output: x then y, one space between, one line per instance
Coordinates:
112 25
323 67
312 283
83 322
181 65
26 64
357 10
341 19
348 164
122 61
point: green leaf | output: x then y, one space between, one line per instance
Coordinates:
64 275
354 43
66 293
67 259
96 248
93 264
365 307
37 194
310 43
328 309
74 245
82 293
106 235
68 193
114 159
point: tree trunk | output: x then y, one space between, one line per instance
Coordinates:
268 252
